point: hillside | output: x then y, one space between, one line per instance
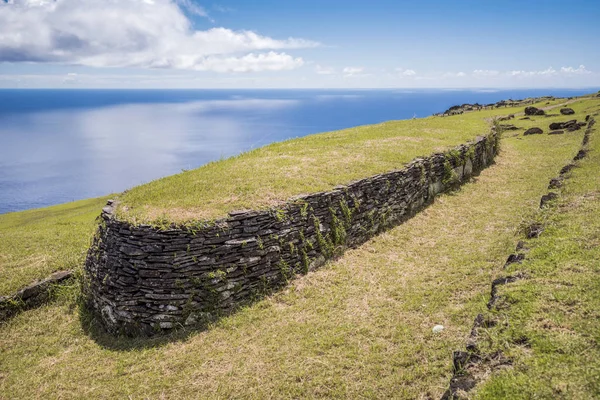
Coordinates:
268 176
361 327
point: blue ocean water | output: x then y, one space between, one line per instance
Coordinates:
62 145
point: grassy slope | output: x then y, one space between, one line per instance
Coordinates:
266 176
359 327
37 242
557 309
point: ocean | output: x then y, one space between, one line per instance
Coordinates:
58 146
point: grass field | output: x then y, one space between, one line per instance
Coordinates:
267 176
551 328
360 327
35 243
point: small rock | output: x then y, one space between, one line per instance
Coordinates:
533 131
508 127
567 111
438 328
555 183
534 230
556 125
559 132
548 198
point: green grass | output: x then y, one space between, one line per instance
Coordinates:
35 243
557 308
360 327
267 176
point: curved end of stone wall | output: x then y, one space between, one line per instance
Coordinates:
141 279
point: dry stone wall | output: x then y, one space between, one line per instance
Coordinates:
142 279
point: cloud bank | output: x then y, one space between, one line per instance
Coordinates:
134 33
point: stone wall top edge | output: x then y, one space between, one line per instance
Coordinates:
293 202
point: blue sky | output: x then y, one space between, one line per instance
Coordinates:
299 44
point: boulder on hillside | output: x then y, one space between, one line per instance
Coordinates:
569 124
567 111
533 111
566 125
508 127
559 132
533 131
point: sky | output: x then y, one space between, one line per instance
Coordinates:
299 44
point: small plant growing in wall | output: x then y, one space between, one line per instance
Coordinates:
292 248
216 276
450 177
338 229
305 262
305 243
196 282
280 215
285 269
324 242
456 157
304 209
470 154
347 212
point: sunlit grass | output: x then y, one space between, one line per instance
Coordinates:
267 176
360 327
37 242
556 309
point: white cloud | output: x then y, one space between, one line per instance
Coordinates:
270 61
454 74
579 71
223 9
486 72
192 8
70 79
406 72
133 33
353 71
324 70
546 72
